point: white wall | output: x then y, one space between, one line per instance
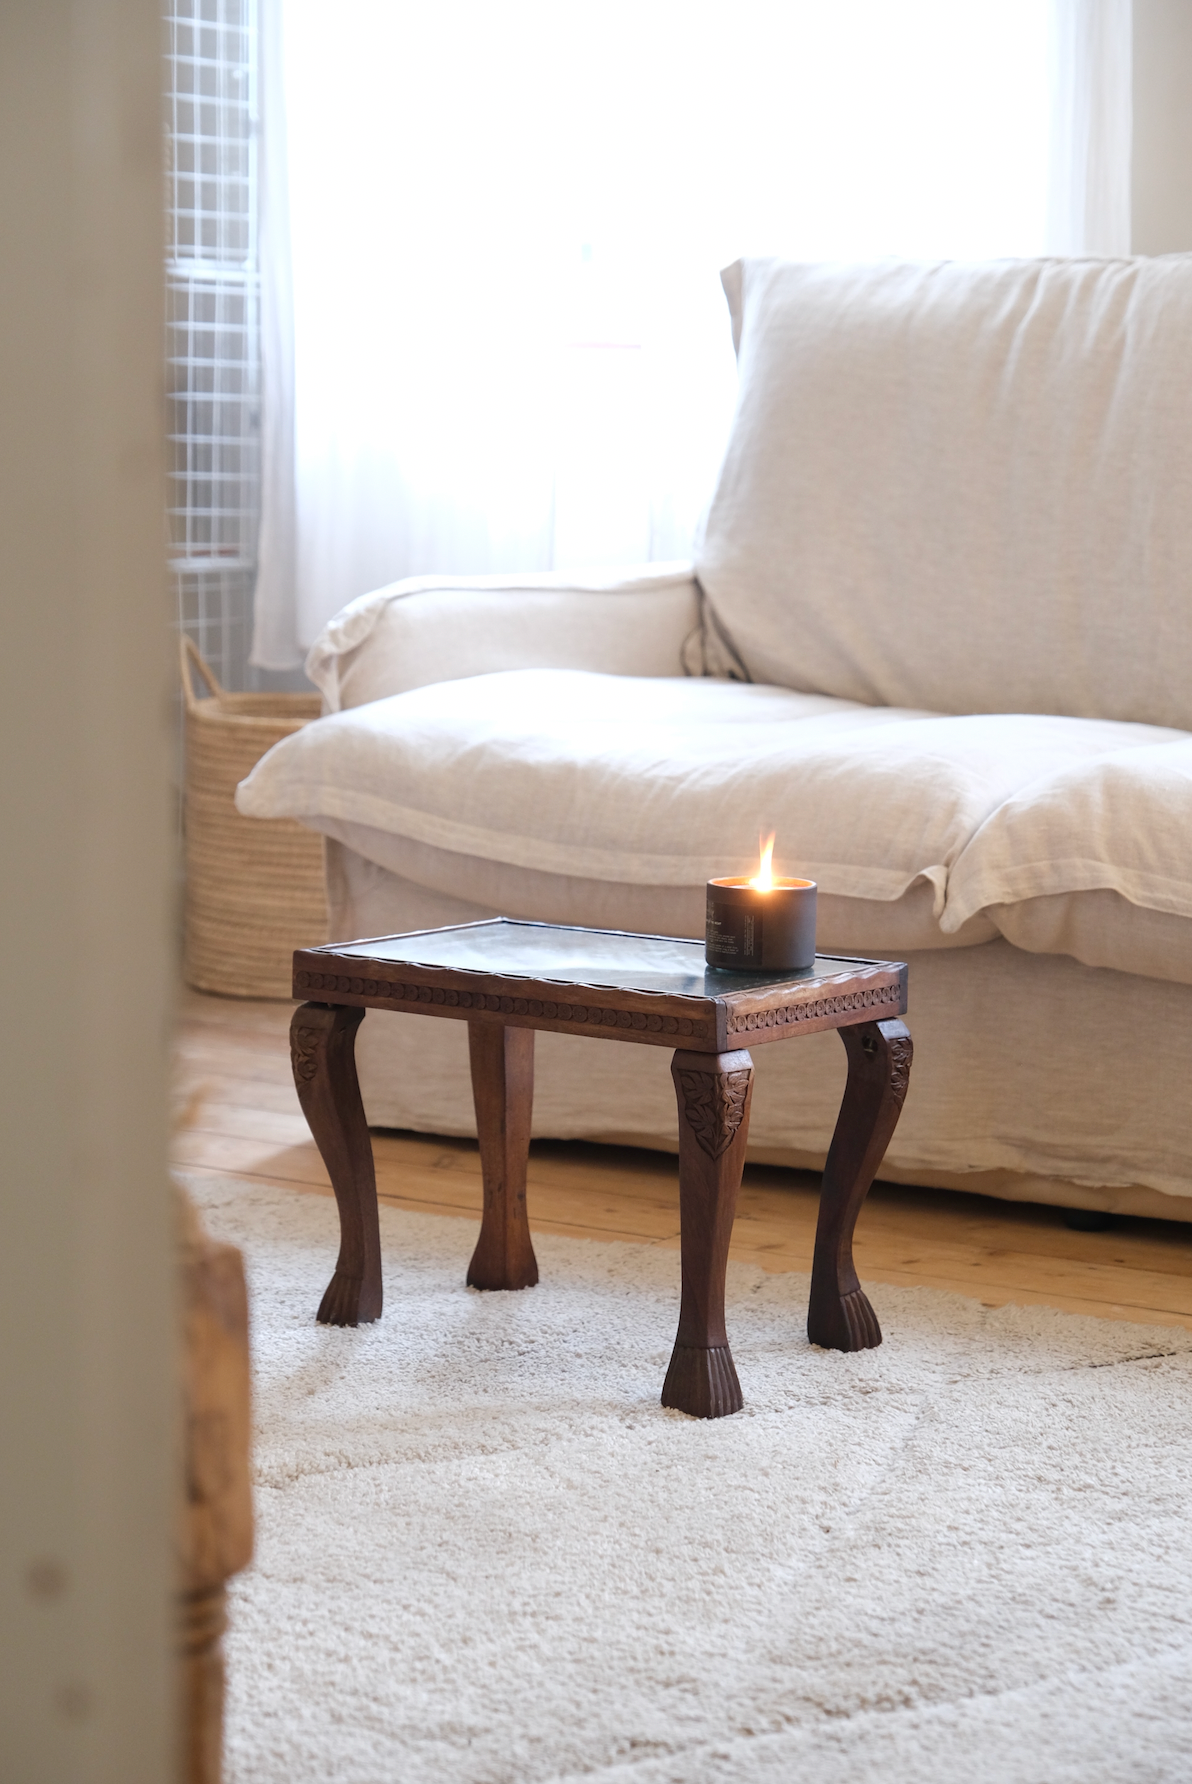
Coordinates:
86 1364
1162 173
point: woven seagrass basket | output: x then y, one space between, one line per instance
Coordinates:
254 886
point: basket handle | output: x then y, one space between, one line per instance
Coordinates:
191 658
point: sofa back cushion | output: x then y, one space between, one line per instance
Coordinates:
963 487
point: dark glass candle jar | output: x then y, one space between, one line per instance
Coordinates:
761 929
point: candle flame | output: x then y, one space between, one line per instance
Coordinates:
764 882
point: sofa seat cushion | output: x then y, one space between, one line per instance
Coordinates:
1093 860
668 782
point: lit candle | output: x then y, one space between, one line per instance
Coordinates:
763 924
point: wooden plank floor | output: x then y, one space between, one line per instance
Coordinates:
236 1112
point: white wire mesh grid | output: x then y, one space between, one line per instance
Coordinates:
213 345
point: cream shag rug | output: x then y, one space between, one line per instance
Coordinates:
487 1556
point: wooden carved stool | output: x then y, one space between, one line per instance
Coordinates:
506 979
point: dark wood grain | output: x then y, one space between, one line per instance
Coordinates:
714 1094
502 1061
323 1054
879 1063
713 1083
214 1533
748 1017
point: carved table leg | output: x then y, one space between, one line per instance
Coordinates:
879 1063
503 1091
323 1051
714 1092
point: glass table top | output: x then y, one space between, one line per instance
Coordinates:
513 949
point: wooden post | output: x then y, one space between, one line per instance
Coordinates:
215 1531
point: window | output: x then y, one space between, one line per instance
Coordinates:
212 319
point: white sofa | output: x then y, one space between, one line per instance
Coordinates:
938 635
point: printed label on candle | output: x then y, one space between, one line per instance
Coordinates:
734 935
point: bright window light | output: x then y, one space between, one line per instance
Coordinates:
508 219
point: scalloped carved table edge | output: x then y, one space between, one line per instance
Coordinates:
506 978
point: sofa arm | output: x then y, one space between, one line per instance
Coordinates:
438 629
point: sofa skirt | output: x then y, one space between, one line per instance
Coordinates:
1035 1078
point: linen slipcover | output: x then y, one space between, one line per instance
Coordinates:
1094 860
429 628
843 925
667 782
1120 821
964 487
964 499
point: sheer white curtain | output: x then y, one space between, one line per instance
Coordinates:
1091 127
494 332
